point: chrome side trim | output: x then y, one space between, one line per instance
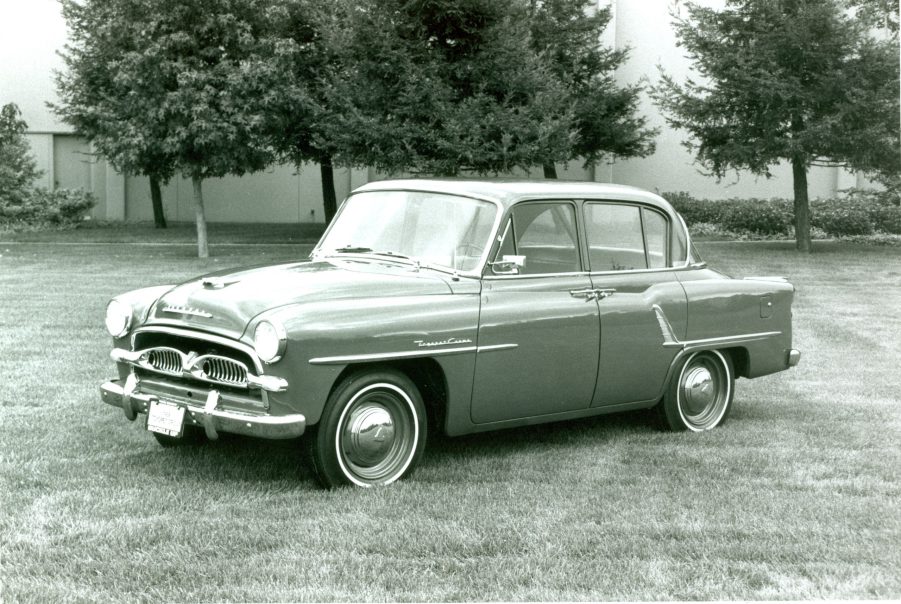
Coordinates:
671 341
669 336
739 339
494 347
406 354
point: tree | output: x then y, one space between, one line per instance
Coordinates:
113 113
568 33
442 87
182 91
18 168
802 81
298 108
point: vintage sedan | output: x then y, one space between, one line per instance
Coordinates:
451 305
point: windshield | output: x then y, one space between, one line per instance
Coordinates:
432 228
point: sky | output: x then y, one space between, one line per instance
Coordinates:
31 31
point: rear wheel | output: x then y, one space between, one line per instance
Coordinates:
372 431
700 392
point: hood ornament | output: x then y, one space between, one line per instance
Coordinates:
186 310
213 283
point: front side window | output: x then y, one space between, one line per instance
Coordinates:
545 233
433 228
624 237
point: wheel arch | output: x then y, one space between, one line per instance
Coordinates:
741 360
425 373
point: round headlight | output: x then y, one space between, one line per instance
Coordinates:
269 341
118 318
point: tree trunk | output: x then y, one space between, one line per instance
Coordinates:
156 198
550 171
203 250
802 206
329 201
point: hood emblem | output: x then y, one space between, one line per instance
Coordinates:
216 282
186 310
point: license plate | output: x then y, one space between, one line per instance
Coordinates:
166 418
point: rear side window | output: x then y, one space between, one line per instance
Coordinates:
625 237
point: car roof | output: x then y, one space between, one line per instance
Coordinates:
508 192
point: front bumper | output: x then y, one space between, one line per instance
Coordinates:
213 419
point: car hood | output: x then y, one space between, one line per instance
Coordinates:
225 302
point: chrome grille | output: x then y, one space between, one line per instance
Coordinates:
165 360
225 370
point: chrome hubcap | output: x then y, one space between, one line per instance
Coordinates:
704 390
369 435
699 390
377 435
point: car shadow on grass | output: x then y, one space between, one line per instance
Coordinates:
570 433
234 458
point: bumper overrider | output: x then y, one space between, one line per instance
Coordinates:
213 418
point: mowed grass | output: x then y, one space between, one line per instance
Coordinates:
797 496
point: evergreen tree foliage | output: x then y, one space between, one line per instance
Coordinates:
442 87
802 81
568 34
18 168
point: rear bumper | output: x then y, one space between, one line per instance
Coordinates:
209 416
794 357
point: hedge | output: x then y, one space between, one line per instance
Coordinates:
60 207
856 213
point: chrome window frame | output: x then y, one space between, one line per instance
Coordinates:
674 220
508 216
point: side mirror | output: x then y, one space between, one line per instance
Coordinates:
508 265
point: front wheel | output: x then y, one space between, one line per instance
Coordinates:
700 393
372 431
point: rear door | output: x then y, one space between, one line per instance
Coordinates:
629 255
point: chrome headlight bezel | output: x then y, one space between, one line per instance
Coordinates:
269 341
118 317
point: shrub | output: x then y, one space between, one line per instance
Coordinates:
842 216
860 212
887 219
695 210
42 207
759 216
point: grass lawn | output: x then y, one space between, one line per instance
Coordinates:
797 496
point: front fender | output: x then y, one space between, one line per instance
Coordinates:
324 338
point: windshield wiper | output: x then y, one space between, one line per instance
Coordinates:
349 249
417 263
392 255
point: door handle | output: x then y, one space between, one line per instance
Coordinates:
591 294
587 293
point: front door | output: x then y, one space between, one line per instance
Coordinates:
539 331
